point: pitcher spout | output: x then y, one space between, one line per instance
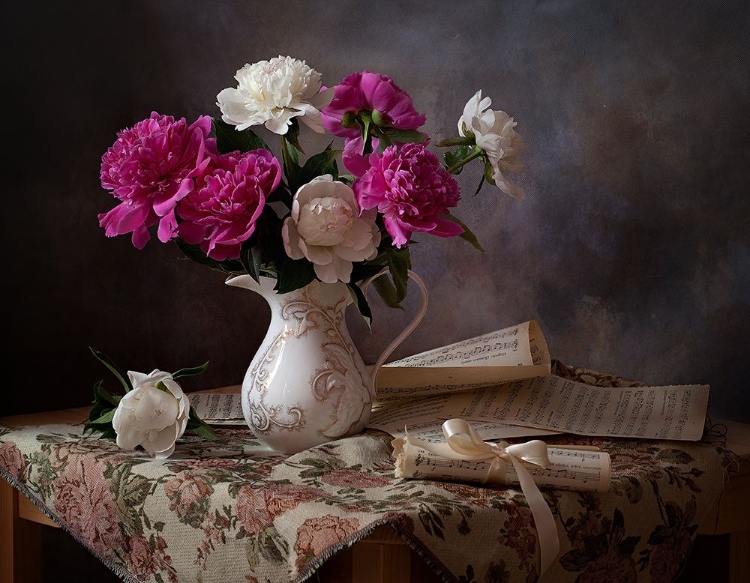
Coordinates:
246 281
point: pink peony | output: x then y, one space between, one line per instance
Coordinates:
412 192
352 157
369 92
150 168
220 214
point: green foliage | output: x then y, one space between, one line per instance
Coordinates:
405 136
194 253
102 412
290 159
467 235
320 164
360 301
393 290
294 274
197 426
455 161
189 372
104 359
228 139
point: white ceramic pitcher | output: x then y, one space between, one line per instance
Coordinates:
307 383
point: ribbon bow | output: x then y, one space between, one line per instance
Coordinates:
464 443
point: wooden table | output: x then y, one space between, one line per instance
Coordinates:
382 557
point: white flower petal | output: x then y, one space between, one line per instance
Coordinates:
156 410
162 455
318 255
291 239
271 93
336 270
278 126
493 132
508 187
130 437
162 441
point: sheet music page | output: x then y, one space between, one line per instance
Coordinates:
569 469
511 353
422 417
218 408
551 402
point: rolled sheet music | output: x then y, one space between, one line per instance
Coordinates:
567 469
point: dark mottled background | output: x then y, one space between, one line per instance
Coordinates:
631 250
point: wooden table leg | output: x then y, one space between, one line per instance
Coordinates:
739 557
382 561
20 541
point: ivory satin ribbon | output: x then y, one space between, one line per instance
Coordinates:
464 443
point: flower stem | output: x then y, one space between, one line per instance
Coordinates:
461 163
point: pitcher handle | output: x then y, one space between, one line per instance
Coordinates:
409 328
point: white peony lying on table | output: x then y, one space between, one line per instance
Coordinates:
153 415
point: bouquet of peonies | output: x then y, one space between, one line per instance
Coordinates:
215 188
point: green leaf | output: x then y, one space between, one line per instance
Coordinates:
347 179
194 253
488 172
455 160
228 139
322 163
361 302
365 123
189 372
102 412
292 135
203 431
106 361
281 194
457 141
101 395
197 426
107 433
467 234
252 260
405 136
295 274
479 187
388 292
399 264
366 270
292 170
106 418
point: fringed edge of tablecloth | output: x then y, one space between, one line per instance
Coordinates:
715 435
413 542
118 570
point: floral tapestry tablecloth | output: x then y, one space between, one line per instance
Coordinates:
216 511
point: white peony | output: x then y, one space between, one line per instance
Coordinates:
272 93
326 227
493 132
150 416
